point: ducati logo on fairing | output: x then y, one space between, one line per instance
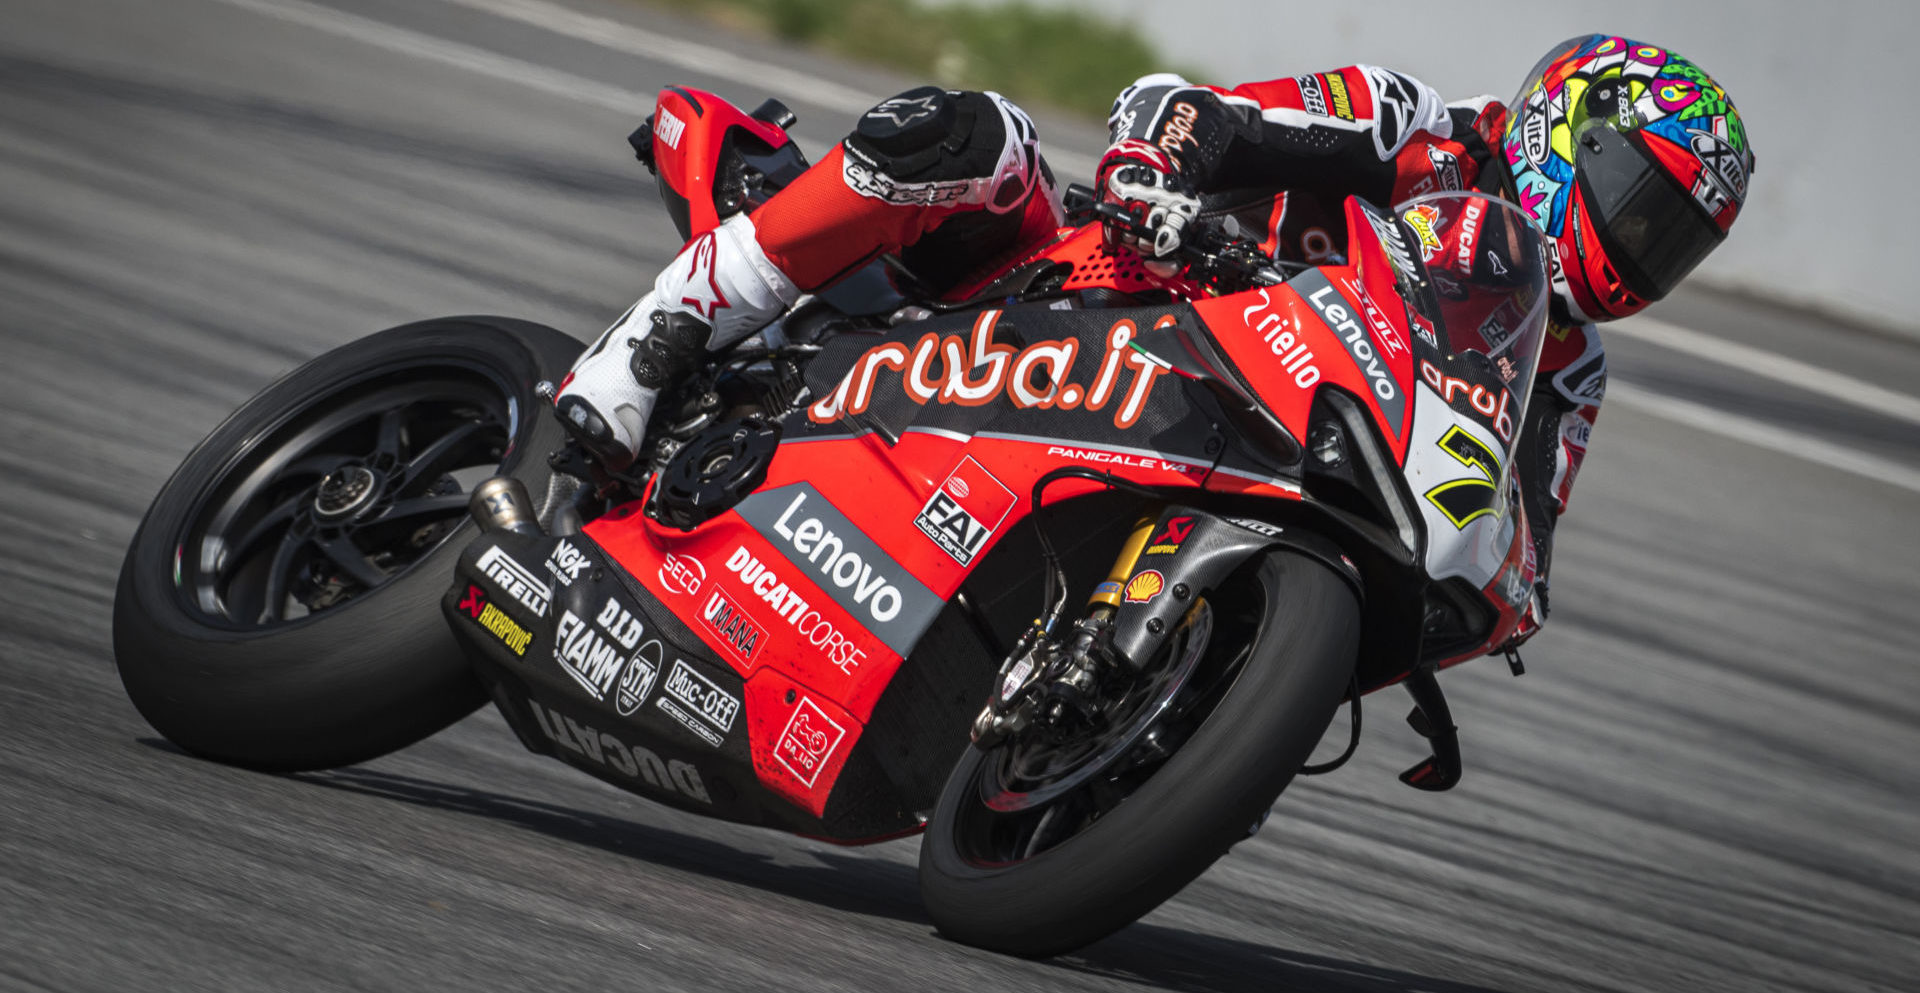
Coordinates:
816 629
631 761
846 564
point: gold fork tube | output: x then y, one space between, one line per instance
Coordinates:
1108 593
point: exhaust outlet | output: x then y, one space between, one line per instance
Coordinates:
501 503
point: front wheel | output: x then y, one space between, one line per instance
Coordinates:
1038 854
279 606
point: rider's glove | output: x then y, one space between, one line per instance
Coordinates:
1143 179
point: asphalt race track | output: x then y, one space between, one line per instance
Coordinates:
1707 781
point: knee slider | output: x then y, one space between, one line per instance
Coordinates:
930 134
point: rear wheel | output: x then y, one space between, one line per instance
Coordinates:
278 607
1037 848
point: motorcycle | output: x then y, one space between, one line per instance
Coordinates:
1070 568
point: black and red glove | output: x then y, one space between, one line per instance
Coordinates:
1144 180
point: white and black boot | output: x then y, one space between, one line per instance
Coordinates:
720 289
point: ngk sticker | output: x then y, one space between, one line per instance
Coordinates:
965 510
808 741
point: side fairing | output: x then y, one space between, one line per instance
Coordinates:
1458 478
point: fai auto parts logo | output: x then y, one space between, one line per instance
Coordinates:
965 510
976 371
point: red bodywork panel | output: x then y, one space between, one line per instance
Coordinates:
790 587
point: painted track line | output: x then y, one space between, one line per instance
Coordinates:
416 44
778 81
1769 365
1772 437
620 36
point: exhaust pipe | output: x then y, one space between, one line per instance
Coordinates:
501 503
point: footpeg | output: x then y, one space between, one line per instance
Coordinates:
1433 720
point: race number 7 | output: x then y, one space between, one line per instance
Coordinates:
1465 500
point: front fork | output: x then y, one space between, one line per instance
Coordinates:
1045 678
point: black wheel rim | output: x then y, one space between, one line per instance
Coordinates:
345 492
1016 807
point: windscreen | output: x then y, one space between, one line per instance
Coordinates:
1483 285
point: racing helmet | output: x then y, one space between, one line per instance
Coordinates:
1633 161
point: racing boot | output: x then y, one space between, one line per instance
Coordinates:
720 289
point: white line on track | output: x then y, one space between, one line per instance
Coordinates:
776 80
693 56
1772 437
417 44
1793 372
623 37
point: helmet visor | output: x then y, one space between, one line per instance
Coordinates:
1653 231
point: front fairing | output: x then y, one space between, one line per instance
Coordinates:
1434 326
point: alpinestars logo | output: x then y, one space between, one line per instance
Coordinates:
965 510
903 111
701 261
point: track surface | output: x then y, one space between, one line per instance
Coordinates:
1706 782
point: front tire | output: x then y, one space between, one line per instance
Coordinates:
983 883
279 605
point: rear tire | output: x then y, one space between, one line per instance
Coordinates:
364 665
1202 800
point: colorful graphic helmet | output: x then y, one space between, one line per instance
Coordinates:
1634 162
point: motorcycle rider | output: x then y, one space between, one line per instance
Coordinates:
1633 161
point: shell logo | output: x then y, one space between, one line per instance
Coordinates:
1144 586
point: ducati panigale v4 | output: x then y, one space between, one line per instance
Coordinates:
1069 568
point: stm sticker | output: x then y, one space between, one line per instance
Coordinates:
1144 586
808 741
637 682
965 510
1169 541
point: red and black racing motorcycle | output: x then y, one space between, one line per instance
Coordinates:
1070 569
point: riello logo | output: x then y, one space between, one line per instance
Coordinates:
975 371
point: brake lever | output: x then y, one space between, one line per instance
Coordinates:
1227 254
